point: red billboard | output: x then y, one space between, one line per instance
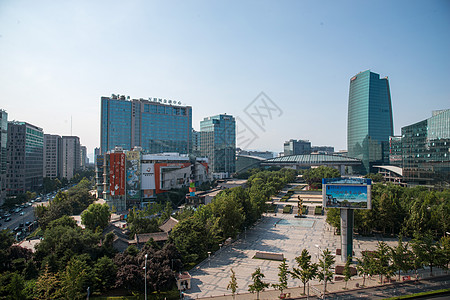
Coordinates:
117 174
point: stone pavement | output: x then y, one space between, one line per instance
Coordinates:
279 233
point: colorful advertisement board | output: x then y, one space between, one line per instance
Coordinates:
117 174
133 175
354 193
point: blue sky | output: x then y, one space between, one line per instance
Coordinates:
57 58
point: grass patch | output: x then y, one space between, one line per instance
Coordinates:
287 209
318 210
422 294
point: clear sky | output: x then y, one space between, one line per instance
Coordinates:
57 58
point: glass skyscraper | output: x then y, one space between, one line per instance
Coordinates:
218 143
426 150
369 120
3 159
155 125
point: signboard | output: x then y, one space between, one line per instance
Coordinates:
148 176
117 174
133 175
354 193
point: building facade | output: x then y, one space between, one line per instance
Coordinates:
84 159
369 120
155 125
71 156
25 152
395 151
3 157
218 144
322 149
52 156
426 150
131 178
297 147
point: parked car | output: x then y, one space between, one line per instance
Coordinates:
8 219
22 213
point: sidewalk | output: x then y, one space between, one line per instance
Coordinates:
334 287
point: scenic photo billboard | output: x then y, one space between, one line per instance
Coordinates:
352 193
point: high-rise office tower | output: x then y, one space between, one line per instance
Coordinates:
155 125
426 150
71 156
218 143
25 152
294 147
3 158
369 120
52 155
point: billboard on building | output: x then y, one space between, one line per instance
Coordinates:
117 174
148 176
352 193
133 175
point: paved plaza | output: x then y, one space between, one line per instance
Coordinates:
279 233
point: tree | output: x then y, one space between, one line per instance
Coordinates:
258 285
104 272
401 257
444 252
16 287
326 262
48 286
365 265
74 278
382 261
306 270
347 271
96 215
314 176
232 285
426 249
282 277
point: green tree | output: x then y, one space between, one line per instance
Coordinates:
306 270
347 271
364 265
283 274
232 285
382 261
96 215
16 287
314 176
74 278
444 252
426 249
258 284
401 257
326 262
104 272
48 286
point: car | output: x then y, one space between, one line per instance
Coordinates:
17 229
8 219
27 223
7 215
22 213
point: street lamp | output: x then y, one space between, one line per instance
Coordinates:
209 258
324 273
145 276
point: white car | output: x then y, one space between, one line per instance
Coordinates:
21 213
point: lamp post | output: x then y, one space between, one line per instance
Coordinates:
209 258
145 276
324 272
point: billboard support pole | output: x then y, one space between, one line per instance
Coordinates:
346 233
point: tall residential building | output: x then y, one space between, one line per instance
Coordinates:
426 150
297 147
218 143
196 143
3 158
83 160
96 152
52 156
369 120
71 156
25 152
155 125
